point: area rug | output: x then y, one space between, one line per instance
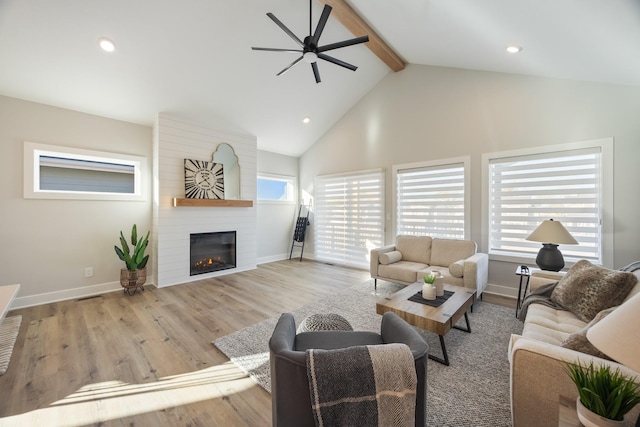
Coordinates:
8 334
473 390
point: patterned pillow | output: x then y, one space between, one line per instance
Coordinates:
588 289
578 340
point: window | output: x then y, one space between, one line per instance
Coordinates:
432 199
53 172
274 188
569 183
349 217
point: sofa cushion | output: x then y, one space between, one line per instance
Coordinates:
390 257
550 325
457 268
587 289
578 340
445 252
415 248
402 271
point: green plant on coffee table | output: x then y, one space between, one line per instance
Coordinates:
603 391
430 278
137 259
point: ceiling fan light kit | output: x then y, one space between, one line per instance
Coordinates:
309 49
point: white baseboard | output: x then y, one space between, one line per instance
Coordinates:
273 258
503 291
69 294
282 257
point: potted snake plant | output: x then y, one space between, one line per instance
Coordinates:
604 396
135 274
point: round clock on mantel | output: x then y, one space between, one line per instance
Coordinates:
203 180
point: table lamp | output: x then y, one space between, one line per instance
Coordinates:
551 233
618 335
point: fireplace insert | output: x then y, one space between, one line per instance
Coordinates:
211 252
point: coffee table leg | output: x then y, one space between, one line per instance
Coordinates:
445 357
466 318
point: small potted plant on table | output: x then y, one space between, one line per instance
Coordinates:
135 274
604 395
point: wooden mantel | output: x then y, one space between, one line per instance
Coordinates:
177 201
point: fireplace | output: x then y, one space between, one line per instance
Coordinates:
211 252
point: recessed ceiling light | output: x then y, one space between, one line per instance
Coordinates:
514 49
306 120
106 44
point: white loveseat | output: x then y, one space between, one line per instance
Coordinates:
537 359
413 257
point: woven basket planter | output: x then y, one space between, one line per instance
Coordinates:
133 279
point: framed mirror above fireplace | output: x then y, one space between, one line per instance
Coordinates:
231 168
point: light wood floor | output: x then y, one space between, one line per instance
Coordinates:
147 359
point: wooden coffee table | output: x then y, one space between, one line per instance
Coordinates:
438 320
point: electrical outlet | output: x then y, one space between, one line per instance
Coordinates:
88 272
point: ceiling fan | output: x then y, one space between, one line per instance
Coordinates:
309 47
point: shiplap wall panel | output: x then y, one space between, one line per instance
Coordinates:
174 141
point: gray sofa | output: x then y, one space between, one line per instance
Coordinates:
290 396
413 257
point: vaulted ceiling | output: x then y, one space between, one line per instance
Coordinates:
193 59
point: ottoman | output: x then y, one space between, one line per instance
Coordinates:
324 322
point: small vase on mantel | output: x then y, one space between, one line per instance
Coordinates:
591 419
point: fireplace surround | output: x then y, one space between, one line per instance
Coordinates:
209 252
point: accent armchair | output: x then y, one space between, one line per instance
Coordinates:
290 395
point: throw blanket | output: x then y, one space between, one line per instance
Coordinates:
372 385
541 295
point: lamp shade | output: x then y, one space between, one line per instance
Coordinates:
618 334
551 231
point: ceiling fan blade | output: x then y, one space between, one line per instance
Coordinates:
269 49
285 29
289 66
345 43
337 61
321 23
316 73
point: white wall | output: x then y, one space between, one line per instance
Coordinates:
276 221
45 245
174 141
425 113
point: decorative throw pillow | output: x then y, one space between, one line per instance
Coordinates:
457 268
390 257
588 289
578 340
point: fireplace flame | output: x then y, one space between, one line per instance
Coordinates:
208 262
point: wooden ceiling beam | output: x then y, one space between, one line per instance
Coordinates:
354 23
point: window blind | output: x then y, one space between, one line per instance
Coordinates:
431 201
349 217
564 186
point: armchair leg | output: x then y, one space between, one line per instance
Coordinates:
375 284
